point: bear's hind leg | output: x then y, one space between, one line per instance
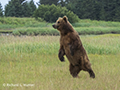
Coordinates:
89 69
92 74
74 70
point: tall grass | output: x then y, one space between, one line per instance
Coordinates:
103 44
7 23
95 23
40 45
18 21
33 60
30 31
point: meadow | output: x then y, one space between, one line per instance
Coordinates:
31 63
33 27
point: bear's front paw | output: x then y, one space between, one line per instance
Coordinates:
62 59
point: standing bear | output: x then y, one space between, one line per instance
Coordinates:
71 46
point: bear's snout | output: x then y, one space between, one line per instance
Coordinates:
53 26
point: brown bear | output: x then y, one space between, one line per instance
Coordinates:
71 46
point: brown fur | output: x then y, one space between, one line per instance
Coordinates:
71 46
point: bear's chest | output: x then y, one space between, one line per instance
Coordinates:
65 41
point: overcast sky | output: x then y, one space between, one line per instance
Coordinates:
4 2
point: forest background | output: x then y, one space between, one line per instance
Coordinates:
107 10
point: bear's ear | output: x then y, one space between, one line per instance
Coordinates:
65 19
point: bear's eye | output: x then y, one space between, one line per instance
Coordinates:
58 22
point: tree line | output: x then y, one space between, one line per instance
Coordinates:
18 8
108 10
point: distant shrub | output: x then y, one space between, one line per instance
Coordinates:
18 21
16 33
35 31
50 13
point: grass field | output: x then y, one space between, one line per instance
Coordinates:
32 27
31 63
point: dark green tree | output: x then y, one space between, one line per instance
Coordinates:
32 7
117 11
50 13
28 8
20 8
1 10
14 8
56 2
102 13
95 9
83 8
48 2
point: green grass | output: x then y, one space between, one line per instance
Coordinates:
31 31
18 21
31 27
95 23
48 73
33 60
102 44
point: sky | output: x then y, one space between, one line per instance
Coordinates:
4 2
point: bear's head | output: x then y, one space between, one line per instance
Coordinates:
63 25
60 23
